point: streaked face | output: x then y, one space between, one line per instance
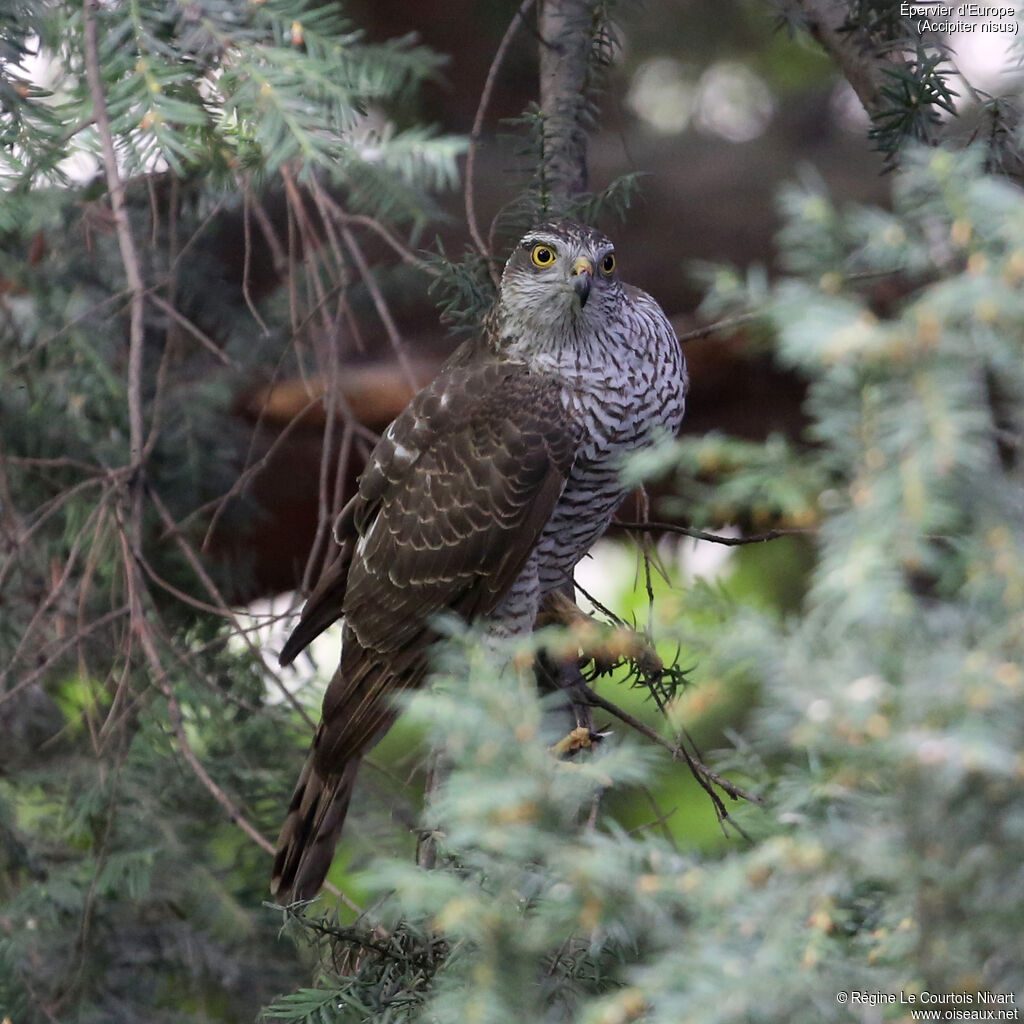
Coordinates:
560 274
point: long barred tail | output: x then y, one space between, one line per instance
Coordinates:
305 847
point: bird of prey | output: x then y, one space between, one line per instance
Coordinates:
480 499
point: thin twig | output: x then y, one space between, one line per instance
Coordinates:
211 588
219 505
143 631
699 768
50 508
129 258
58 652
719 325
194 237
183 321
247 264
69 325
474 136
361 220
332 393
234 814
717 538
356 252
55 591
55 463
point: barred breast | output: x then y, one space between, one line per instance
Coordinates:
626 385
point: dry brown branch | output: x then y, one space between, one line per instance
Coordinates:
33 350
474 136
233 813
197 234
332 395
211 588
56 591
129 258
142 631
183 321
247 263
219 505
230 808
92 562
55 463
360 220
10 521
381 306
704 775
660 821
55 654
324 511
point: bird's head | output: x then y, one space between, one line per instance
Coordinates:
560 278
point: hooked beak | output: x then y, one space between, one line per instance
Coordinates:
582 276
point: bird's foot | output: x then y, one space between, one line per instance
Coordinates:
581 738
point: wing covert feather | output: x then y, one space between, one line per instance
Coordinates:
480 466
449 508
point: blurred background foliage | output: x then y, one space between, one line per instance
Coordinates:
293 180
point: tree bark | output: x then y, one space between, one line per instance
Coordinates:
862 66
566 37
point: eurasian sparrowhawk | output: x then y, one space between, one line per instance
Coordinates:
480 499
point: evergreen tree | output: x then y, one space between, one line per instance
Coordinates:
147 749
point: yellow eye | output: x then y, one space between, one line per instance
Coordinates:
608 264
543 255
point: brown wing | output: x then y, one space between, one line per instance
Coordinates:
449 509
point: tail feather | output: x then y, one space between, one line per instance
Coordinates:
305 847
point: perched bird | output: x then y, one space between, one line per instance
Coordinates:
480 499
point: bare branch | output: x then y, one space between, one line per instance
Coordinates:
356 252
701 771
55 654
56 591
126 243
183 321
716 538
247 262
361 220
719 325
474 135
211 588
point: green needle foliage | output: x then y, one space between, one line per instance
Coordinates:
222 85
137 731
